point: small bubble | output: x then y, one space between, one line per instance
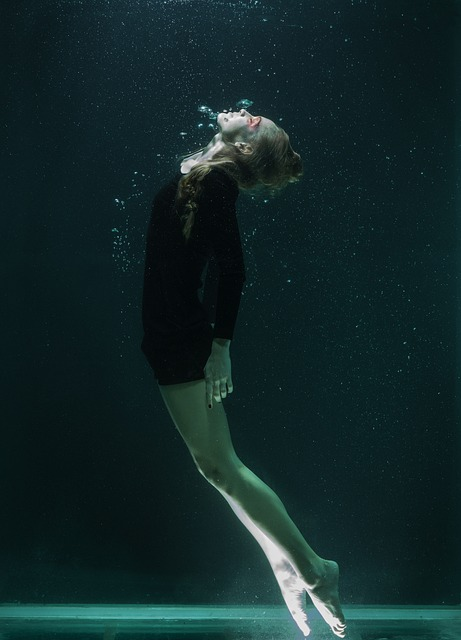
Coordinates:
207 111
244 103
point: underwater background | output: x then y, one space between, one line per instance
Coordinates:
346 353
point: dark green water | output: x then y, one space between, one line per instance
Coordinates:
345 354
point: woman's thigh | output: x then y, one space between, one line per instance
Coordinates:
205 431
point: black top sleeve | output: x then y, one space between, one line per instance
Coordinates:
218 199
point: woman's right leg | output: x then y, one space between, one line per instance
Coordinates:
207 436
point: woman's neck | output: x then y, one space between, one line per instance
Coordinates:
204 154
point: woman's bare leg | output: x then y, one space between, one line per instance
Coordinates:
207 436
290 583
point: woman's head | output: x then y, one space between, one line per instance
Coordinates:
241 125
253 149
260 149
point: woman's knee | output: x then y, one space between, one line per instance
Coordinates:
222 474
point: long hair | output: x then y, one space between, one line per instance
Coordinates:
270 166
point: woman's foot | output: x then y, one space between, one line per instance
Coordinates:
325 597
292 589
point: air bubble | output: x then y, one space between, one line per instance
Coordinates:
207 111
244 103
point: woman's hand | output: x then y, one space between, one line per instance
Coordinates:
218 375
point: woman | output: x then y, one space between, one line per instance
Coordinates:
187 339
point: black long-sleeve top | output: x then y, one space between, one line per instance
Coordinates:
174 267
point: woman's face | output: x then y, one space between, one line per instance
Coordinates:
240 126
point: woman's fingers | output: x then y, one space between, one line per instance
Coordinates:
209 393
217 390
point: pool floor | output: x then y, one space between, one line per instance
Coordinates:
140 622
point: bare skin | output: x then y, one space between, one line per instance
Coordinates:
237 128
289 582
296 566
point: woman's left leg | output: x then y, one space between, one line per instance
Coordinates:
207 436
291 585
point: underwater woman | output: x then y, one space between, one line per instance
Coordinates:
187 337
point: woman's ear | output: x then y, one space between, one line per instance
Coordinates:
244 147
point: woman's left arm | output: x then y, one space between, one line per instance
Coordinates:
219 202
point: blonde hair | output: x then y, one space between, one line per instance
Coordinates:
270 166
